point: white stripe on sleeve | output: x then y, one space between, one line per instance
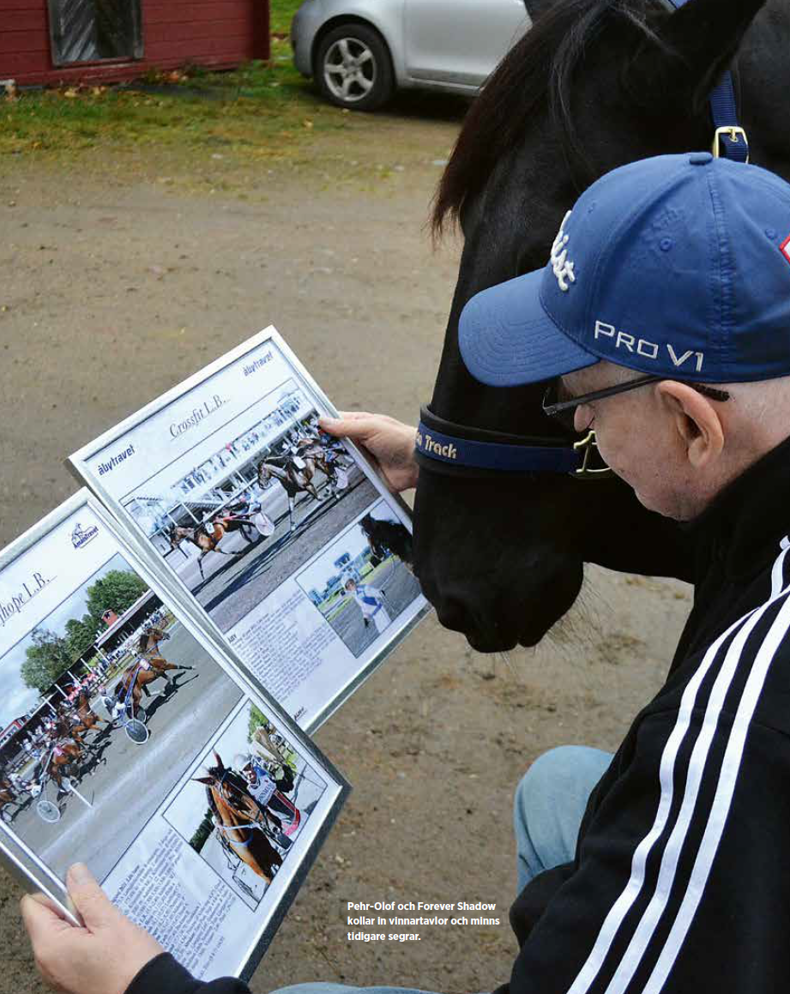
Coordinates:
721 802
633 888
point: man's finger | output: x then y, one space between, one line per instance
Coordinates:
49 903
41 920
90 901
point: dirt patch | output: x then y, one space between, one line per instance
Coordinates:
123 275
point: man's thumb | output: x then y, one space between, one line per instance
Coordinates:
347 427
89 900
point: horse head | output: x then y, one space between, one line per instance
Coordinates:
593 85
227 787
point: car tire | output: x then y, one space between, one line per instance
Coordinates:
353 68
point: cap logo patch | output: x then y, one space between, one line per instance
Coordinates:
784 248
560 263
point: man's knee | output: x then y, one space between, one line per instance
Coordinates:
553 793
550 769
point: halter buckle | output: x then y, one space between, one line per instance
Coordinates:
588 447
734 133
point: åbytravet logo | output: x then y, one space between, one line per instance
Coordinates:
81 536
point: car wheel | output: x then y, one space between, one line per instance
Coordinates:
353 68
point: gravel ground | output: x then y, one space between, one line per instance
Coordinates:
118 283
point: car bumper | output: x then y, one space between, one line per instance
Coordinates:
304 27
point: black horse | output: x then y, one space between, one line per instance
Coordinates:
386 536
594 84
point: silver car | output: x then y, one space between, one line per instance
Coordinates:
360 51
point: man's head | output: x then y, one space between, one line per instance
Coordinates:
350 584
676 443
245 766
674 271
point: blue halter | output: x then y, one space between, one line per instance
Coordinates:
729 139
444 446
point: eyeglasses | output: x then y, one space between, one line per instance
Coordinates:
564 410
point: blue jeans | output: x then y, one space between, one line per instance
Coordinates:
549 806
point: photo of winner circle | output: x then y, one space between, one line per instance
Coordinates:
246 803
363 580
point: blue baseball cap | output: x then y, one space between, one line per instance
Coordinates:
677 265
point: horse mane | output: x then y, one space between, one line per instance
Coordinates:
142 642
212 802
536 75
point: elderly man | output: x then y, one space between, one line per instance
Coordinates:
663 318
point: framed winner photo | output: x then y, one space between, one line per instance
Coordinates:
134 743
230 484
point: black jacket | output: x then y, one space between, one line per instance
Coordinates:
681 881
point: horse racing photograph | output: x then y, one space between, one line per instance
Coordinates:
245 803
363 581
244 508
104 703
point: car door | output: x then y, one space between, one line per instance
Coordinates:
460 41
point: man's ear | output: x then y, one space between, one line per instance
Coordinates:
696 421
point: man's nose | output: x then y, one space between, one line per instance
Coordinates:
582 418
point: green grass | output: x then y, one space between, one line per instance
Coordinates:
281 13
258 110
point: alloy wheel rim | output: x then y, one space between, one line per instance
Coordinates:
350 70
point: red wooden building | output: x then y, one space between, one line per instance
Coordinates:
69 41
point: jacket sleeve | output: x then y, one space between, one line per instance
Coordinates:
163 975
681 878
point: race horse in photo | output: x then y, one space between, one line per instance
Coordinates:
149 667
594 84
67 723
10 795
293 477
65 760
87 719
148 647
387 536
321 453
239 820
207 537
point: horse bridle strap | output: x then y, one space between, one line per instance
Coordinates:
470 451
729 139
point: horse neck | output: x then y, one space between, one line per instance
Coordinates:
764 79
276 471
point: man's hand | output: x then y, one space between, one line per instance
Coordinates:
103 957
390 442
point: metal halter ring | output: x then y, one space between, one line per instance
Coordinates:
588 447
